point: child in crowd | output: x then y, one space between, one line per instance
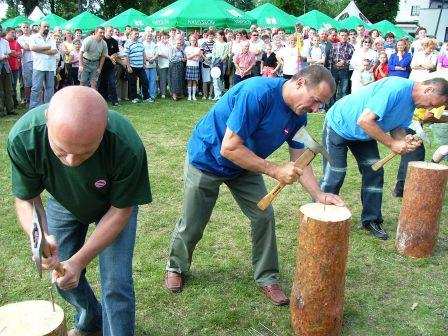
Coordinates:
381 70
366 73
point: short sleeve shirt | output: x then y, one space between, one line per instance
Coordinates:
93 49
389 98
253 109
115 175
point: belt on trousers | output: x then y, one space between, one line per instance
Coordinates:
91 60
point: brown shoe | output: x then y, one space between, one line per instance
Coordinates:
275 294
76 332
174 282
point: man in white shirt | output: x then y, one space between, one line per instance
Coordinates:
27 60
6 94
44 52
163 48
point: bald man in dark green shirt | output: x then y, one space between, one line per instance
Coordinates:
93 164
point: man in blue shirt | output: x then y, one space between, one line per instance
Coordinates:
135 60
359 120
230 145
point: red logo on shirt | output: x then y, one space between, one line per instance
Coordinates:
99 184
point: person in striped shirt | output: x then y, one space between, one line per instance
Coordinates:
135 59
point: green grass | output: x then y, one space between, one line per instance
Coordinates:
220 297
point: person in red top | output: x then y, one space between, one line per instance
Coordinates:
14 60
381 70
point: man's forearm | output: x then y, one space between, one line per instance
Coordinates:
101 62
309 182
107 230
375 132
24 210
246 159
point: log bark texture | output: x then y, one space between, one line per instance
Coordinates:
32 318
418 223
317 295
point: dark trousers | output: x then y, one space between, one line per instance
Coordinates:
366 153
73 75
256 69
238 78
341 77
107 86
6 93
417 155
141 75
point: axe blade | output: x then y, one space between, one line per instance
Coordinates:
36 244
304 137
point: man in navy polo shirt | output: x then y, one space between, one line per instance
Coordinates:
230 145
360 120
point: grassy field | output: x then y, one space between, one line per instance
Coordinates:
386 294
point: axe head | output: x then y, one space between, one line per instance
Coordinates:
36 244
304 137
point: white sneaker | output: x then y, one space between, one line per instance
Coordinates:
149 100
210 98
194 98
204 97
135 100
189 98
163 96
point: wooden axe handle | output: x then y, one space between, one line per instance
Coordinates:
60 269
379 164
301 162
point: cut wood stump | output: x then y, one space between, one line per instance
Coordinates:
418 223
32 318
317 295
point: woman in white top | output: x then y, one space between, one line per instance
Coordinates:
356 63
289 58
424 61
193 54
315 54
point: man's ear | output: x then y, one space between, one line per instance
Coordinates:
300 82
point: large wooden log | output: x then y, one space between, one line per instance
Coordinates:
418 224
32 318
317 295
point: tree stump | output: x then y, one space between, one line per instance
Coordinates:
317 295
32 318
418 224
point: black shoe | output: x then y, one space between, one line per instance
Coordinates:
374 227
398 190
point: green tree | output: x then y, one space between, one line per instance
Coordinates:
377 10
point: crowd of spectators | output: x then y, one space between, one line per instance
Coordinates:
145 66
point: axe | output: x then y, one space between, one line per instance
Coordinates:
37 248
312 148
380 163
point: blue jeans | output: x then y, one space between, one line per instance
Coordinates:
366 153
45 80
341 77
151 74
116 313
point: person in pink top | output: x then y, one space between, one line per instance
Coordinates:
244 62
73 57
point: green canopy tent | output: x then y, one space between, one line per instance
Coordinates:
317 20
130 17
15 22
270 16
385 27
85 21
352 22
199 13
53 20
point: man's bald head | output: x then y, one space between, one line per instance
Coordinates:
76 121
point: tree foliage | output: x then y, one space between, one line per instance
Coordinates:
377 10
